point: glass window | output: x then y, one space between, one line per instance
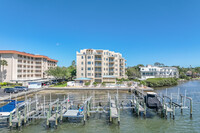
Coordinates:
89 57
89 62
89 68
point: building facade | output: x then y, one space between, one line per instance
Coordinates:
100 65
24 66
158 72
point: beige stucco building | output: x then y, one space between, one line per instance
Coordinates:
24 66
100 65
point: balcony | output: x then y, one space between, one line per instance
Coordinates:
98 59
98 53
37 72
97 65
38 64
111 66
98 71
97 76
111 60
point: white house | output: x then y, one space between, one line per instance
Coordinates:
158 72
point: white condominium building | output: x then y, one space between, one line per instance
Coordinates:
158 72
24 66
100 65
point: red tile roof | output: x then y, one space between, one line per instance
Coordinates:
26 54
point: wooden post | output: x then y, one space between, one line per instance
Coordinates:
29 106
19 119
10 121
170 104
110 109
191 107
67 102
25 115
56 122
138 109
181 104
166 111
50 109
36 102
84 112
48 115
57 105
145 110
174 112
118 116
88 109
163 108
44 106
61 114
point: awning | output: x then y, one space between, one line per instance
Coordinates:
82 79
109 76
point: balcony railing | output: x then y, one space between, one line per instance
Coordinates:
98 53
98 59
98 65
97 76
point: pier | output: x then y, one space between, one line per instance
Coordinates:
54 111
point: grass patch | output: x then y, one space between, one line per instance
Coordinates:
3 87
59 85
160 82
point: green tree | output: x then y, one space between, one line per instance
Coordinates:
56 72
159 64
3 63
134 72
66 72
62 72
72 70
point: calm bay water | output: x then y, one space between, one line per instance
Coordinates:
129 122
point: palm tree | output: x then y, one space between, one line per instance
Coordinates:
3 63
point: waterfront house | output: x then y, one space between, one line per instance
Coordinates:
158 72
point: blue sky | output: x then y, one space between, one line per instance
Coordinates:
144 31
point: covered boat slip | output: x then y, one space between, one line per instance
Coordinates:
81 107
10 107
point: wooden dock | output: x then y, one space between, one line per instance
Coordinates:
54 111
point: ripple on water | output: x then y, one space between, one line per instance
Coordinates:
129 122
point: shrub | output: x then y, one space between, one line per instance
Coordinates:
159 82
87 83
103 84
119 82
129 84
95 84
143 83
3 84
